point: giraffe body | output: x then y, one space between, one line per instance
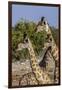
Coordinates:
40 75
55 53
54 48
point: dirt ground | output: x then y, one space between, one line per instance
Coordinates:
19 69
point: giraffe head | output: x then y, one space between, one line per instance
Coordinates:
42 25
24 44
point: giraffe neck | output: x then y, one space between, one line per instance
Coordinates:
39 73
54 48
55 54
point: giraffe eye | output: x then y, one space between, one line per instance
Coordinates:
44 23
47 36
26 40
50 39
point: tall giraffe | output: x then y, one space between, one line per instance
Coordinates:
43 25
41 76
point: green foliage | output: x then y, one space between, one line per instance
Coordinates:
37 39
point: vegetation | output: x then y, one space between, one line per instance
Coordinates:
37 39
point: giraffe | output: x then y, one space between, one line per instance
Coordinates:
41 77
43 25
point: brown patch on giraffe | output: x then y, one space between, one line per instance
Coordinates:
31 55
50 38
55 55
38 69
43 76
36 65
53 49
47 78
32 61
38 74
34 69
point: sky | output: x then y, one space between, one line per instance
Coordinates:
34 13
